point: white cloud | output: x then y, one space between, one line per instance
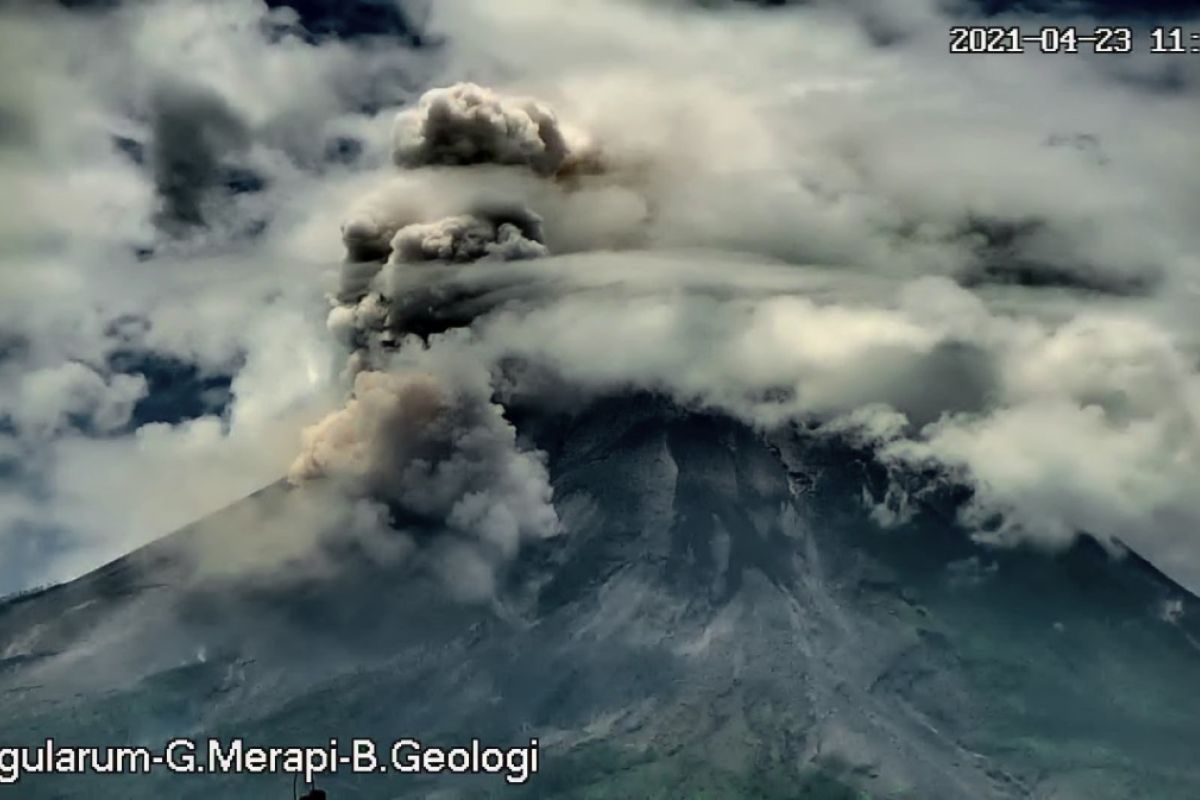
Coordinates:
72 395
74 291
693 166
1085 424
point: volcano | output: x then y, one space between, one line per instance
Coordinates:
720 618
717 401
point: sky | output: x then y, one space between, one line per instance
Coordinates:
224 222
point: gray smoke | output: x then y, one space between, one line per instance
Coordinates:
468 238
438 448
432 444
194 131
467 124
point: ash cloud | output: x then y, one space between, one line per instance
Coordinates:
468 124
444 453
426 444
403 226
470 238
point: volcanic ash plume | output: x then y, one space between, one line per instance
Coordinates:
468 124
363 317
428 442
441 212
468 238
441 452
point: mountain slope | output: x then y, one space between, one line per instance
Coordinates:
721 619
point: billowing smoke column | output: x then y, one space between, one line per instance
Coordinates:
436 448
468 124
429 443
436 216
469 238
404 237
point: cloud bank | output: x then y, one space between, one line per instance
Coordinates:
985 267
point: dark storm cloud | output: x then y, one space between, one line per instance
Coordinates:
1029 252
195 132
467 124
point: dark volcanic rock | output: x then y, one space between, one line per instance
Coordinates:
720 618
